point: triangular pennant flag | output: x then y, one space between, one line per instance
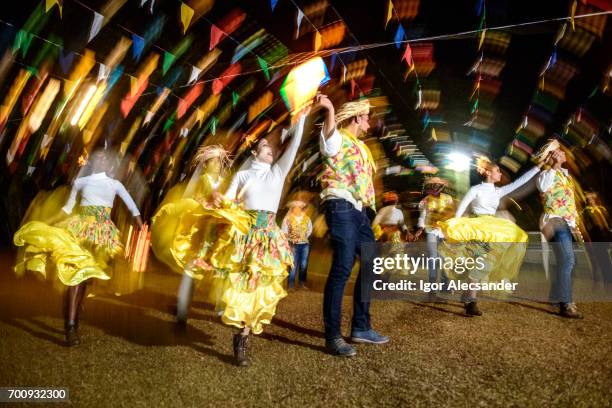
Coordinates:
300 16
572 14
225 78
482 37
264 66
195 74
317 41
169 122
50 3
399 36
96 25
142 2
434 137
103 73
168 61
148 116
23 39
553 58
186 16
151 6
215 36
133 85
389 13
479 7
138 44
273 4
407 54
235 97
213 125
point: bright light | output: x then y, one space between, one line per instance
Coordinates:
458 161
86 98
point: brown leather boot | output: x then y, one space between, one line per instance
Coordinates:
240 350
570 311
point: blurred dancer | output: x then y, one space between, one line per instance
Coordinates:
297 226
252 258
436 206
181 234
389 223
348 168
488 234
81 247
595 216
559 223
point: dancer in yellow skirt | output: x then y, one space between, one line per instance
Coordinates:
81 247
501 242
389 224
182 233
253 265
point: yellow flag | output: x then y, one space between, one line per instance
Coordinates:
186 16
482 37
317 41
434 137
573 13
133 85
50 3
389 13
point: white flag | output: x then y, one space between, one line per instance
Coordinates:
96 25
195 74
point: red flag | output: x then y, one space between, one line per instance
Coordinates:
189 98
225 78
407 54
127 103
215 36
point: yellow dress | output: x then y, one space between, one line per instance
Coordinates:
77 248
500 242
251 267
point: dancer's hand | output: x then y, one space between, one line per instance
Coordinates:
217 199
138 221
418 234
322 101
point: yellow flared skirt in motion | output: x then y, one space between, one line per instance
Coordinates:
498 241
252 267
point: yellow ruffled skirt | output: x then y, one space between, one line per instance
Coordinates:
252 267
500 242
74 250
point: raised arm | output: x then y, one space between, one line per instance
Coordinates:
467 200
285 162
508 188
329 125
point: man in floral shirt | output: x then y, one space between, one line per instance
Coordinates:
559 223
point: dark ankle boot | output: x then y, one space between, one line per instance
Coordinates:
471 309
71 333
240 350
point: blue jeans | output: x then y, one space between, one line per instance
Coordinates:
348 229
432 248
561 285
300 262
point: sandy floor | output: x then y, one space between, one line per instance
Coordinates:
131 355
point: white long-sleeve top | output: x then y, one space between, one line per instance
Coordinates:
99 190
260 186
485 197
390 215
544 183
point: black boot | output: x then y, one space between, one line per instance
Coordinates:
471 309
71 333
240 350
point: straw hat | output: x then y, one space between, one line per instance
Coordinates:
296 203
205 153
435 180
352 109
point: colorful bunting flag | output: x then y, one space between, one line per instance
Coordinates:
137 46
66 60
273 4
96 25
399 36
195 74
389 13
264 66
50 3
300 16
186 16
168 61
225 78
215 36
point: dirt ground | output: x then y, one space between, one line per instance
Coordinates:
516 354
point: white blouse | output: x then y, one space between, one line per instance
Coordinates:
390 215
485 197
99 190
260 185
